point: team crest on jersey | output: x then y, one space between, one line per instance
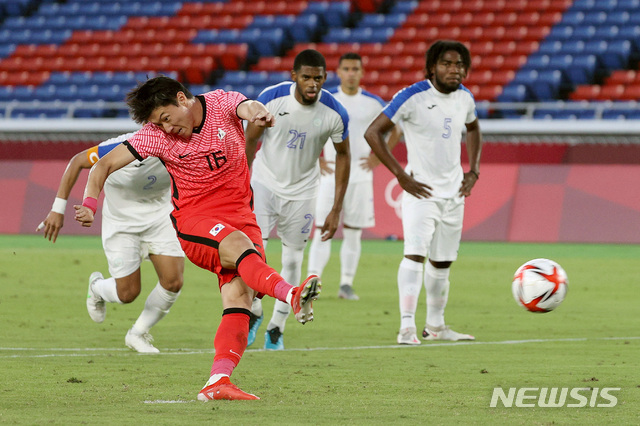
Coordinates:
221 134
216 229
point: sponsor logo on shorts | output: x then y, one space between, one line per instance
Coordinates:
216 229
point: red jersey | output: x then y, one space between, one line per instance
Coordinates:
209 171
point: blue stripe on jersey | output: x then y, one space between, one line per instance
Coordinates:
105 149
333 90
274 92
402 96
464 89
376 97
331 102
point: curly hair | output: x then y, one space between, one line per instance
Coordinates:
440 47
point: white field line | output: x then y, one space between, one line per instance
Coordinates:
89 352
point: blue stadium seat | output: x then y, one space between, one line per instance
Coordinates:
619 17
560 32
404 6
628 5
584 32
607 32
6 49
514 93
551 47
305 28
573 17
582 70
536 61
596 18
572 47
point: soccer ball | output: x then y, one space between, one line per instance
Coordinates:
540 285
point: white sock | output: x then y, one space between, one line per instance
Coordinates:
256 307
214 379
280 314
156 307
436 283
409 286
319 254
350 254
106 288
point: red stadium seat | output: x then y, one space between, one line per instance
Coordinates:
549 19
505 19
623 77
536 33
613 92
525 47
493 33
478 77
502 77
487 92
631 93
514 62
484 19
586 92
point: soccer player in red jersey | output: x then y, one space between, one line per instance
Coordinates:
200 139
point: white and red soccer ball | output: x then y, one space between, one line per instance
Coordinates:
540 285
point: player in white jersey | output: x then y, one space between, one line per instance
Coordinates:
358 210
433 113
286 171
135 226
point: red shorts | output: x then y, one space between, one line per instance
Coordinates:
201 235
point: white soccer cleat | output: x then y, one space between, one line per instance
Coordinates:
407 336
95 304
444 333
140 342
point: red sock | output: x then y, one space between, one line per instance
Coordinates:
261 277
230 341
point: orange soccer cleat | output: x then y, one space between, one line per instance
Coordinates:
224 389
303 296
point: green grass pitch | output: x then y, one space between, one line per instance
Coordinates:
58 367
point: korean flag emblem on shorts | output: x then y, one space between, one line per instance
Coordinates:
216 229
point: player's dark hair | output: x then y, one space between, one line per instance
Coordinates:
154 93
350 55
310 58
439 48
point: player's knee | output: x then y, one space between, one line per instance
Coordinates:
292 258
128 295
173 284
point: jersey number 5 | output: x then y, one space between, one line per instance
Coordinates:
447 128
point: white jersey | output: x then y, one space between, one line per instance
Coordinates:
287 162
138 194
433 123
363 108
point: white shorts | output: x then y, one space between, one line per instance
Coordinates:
125 251
357 210
432 227
293 218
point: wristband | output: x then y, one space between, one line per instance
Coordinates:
59 204
475 173
91 203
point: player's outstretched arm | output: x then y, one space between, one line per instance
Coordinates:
256 113
375 138
119 157
343 165
54 221
474 149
